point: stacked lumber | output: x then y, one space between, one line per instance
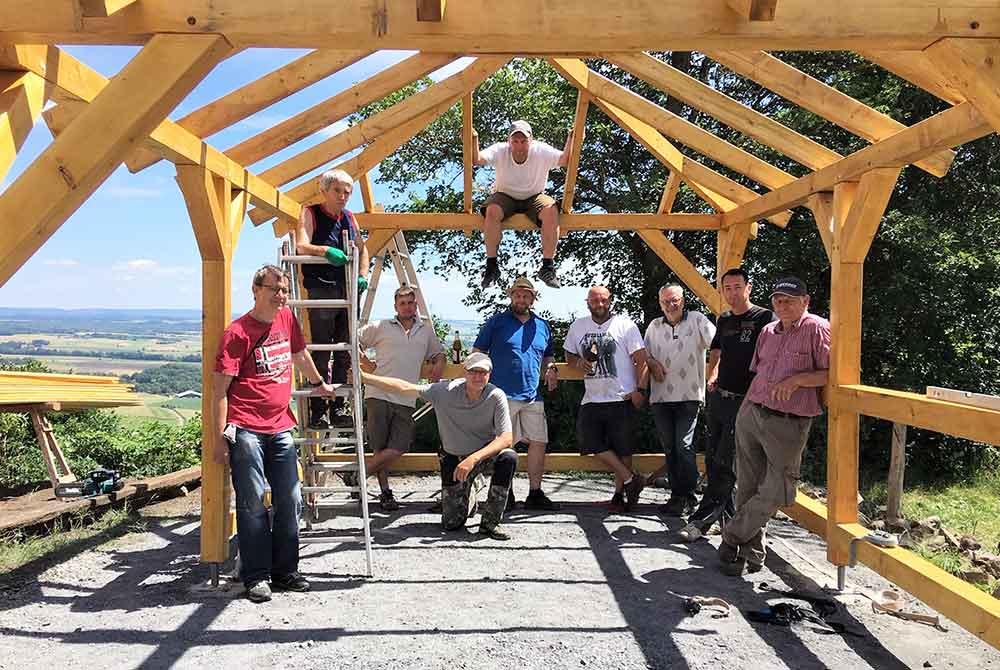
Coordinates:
58 391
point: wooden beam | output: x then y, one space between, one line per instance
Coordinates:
954 126
916 68
407 221
216 212
430 10
964 397
329 111
870 200
682 267
979 424
821 205
77 82
731 112
258 94
823 100
103 8
22 96
79 160
670 190
468 169
487 25
754 10
973 67
573 166
671 125
308 192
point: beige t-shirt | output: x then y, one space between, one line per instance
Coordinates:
398 354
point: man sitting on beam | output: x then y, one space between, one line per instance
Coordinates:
522 164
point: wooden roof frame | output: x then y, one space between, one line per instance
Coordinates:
951 48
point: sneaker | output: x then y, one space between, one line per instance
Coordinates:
632 491
511 501
537 500
733 568
293 582
319 423
730 561
341 419
259 592
678 506
689 533
496 533
548 275
617 504
491 275
387 501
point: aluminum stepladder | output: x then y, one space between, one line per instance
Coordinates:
397 253
313 444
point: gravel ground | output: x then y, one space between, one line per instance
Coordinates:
573 589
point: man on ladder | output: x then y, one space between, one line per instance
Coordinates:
321 233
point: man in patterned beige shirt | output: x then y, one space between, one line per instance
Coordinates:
677 344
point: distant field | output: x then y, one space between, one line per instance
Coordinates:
167 344
154 408
85 365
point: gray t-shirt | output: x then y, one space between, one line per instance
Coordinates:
466 427
398 353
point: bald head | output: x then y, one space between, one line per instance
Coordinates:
599 303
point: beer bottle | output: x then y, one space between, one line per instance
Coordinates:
456 349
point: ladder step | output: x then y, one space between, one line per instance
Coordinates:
320 304
344 346
331 538
342 390
301 259
331 489
325 442
352 504
340 466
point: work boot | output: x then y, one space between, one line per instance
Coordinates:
632 491
340 418
493 509
689 533
547 274
293 582
457 505
491 275
537 500
259 592
387 501
495 533
678 506
730 561
617 503
511 501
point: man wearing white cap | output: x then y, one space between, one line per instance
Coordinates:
476 437
522 164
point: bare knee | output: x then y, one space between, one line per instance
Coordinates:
549 216
494 214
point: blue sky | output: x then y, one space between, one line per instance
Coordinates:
131 246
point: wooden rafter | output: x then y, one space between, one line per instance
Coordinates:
916 68
487 25
22 96
468 169
76 81
682 267
37 203
731 112
823 100
263 92
973 67
329 111
103 8
668 123
754 10
952 127
573 166
670 190
408 221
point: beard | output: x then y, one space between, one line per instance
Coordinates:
519 310
599 312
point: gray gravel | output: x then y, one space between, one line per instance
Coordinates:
573 589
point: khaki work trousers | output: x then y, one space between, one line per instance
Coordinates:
768 457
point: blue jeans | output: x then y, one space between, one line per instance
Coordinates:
675 423
254 459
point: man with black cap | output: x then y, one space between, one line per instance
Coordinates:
791 362
520 344
474 425
522 164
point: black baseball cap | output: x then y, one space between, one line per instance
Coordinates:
790 286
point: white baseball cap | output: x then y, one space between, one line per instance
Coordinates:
478 361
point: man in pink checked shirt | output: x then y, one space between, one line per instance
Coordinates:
791 362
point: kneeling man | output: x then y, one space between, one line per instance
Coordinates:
476 437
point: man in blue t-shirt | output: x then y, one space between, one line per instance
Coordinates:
520 346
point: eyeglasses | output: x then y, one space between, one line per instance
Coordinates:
276 289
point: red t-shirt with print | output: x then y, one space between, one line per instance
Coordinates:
259 356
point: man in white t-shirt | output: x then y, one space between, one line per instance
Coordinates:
610 351
522 164
677 344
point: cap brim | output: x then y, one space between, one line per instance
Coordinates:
790 295
480 367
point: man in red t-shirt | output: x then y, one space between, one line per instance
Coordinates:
252 387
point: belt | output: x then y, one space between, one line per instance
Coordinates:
728 394
774 412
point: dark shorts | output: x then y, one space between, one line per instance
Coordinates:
606 426
388 425
532 206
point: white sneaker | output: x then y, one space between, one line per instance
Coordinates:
259 592
689 533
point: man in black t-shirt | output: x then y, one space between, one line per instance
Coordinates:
728 379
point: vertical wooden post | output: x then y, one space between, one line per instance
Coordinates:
467 141
897 470
217 213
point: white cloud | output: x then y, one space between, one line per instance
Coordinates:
61 262
132 193
141 264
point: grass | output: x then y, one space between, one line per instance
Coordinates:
160 408
18 549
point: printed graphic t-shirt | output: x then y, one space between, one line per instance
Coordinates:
259 355
609 347
736 338
521 180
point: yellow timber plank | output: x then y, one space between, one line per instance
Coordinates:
682 267
468 169
754 10
22 96
826 101
573 166
916 68
103 8
973 66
